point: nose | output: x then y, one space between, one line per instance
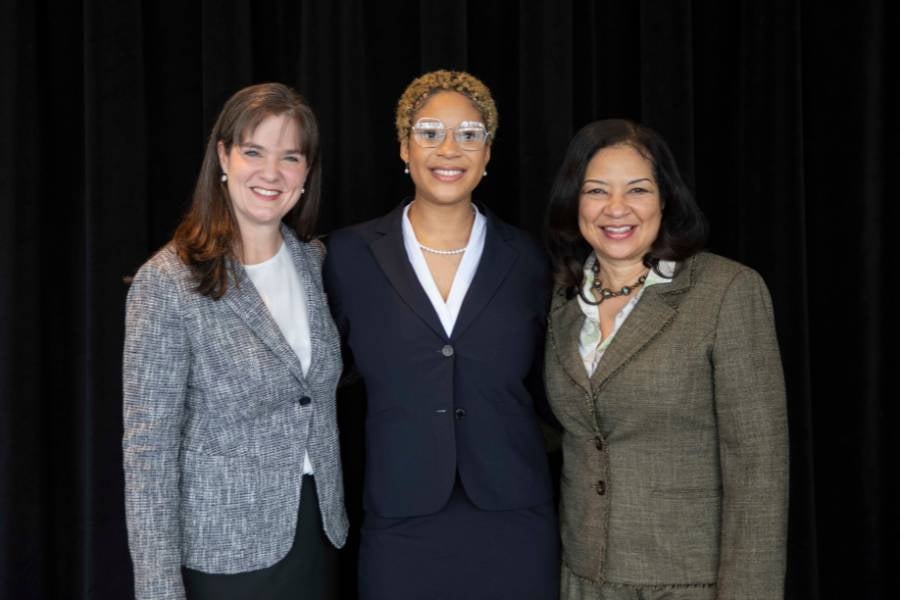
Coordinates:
270 168
616 206
449 147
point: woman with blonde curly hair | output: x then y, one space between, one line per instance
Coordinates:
442 307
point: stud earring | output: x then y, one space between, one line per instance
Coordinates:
224 177
302 190
406 169
485 173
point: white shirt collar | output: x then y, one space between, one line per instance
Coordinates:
591 344
447 311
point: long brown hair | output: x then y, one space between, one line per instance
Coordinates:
206 238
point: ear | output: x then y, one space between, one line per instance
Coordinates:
404 151
223 156
487 154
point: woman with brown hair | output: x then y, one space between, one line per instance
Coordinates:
231 360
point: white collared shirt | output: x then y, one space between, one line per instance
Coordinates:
591 344
278 283
447 311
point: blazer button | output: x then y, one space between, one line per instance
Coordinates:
460 413
304 400
447 350
600 487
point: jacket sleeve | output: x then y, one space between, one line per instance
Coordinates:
155 367
753 443
332 280
551 428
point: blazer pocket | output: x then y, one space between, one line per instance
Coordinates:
218 498
686 529
514 400
687 493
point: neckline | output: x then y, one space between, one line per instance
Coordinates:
269 261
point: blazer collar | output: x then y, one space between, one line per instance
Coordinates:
391 256
496 260
564 327
495 265
243 298
657 308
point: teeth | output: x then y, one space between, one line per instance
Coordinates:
265 192
448 172
622 229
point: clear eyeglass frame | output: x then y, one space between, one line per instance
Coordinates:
431 133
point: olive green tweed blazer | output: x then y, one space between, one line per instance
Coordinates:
676 449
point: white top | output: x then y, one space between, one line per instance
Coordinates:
278 282
591 344
447 311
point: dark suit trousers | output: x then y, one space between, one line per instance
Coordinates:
308 571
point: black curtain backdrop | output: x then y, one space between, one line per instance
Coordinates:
778 111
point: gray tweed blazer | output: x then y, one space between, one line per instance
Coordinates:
217 416
675 451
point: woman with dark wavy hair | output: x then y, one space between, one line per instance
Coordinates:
231 361
663 367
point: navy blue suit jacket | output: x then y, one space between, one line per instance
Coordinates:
439 405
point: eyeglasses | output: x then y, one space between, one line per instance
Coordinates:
431 133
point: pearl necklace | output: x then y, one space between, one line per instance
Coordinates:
443 252
448 252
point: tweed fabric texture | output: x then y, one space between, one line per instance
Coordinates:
675 450
218 414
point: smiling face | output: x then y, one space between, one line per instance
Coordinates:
266 172
445 174
619 210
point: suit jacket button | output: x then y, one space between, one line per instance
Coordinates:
447 350
304 400
460 413
601 487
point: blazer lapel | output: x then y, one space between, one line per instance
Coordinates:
565 322
496 261
246 302
649 318
315 304
390 254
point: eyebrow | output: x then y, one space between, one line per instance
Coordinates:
258 147
435 120
633 181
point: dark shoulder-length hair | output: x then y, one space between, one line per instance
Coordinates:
682 232
208 236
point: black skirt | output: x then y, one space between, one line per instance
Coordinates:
461 553
309 571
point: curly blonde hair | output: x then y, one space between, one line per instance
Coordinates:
425 86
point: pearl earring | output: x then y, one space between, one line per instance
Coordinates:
302 190
224 177
406 169
485 173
